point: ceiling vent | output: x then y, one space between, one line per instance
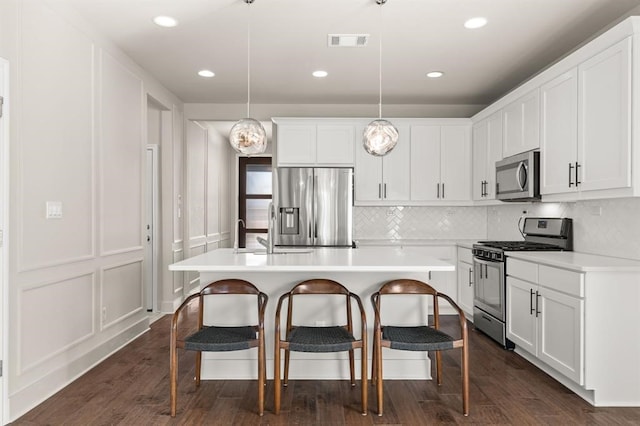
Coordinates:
347 40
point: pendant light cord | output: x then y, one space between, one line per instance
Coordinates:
380 65
248 58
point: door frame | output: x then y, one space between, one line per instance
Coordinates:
152 202
4 246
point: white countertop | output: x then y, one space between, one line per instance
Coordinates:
576 261
363 259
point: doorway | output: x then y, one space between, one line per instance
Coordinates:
254 196
151 228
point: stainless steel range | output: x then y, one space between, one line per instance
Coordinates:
489 269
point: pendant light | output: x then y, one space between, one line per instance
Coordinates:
380 136
248 136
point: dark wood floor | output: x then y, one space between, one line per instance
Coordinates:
132 388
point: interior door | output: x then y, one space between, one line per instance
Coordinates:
151 248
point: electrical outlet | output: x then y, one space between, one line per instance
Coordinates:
54 210
595 210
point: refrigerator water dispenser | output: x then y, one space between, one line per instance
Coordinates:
289 220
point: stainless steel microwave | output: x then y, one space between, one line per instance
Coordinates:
518 177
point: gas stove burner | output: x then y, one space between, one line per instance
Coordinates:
520 245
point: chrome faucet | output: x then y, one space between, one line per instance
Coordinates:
235 240
269 243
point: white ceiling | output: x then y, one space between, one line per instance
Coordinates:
289 41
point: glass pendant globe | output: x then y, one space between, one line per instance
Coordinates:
248 137
379 137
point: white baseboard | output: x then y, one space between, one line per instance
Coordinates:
27 398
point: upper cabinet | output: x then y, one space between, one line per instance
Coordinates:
314 143
487 149
521 121
586 132
383 180
579 113
440 163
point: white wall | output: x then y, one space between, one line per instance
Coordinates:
209 183
78 133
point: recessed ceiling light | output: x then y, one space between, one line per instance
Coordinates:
477 22
320 74
435 74
206 73
165 21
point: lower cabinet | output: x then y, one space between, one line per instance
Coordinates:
548 324
465 281
545 322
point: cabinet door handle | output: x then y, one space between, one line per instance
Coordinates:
531 310
570 170
537 303
429 275
482 188
379 190
469 277
385 190
443 190
438 190
480 271
577 167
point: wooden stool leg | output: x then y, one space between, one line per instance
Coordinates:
173 377
276 381
286 368
379 381
365 386
261 381
352 368
465 380
439 367
198 367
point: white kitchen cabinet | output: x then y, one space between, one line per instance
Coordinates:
559 140
440 163
315 144
465 281
521 320
384 179
521 124
335 144
546 318
604 123
586 133
487 149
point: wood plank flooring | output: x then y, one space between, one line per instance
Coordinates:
132 388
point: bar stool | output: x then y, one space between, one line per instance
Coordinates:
212 338
334 338
417 338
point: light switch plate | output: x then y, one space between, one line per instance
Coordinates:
54 210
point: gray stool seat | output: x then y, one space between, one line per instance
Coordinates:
221 339
419 338
320 339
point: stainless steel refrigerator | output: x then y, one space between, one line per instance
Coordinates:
313 207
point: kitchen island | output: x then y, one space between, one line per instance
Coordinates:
362 271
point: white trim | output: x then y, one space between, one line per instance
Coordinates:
4 250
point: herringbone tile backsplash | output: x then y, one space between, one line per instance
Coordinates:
401 223
605 227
